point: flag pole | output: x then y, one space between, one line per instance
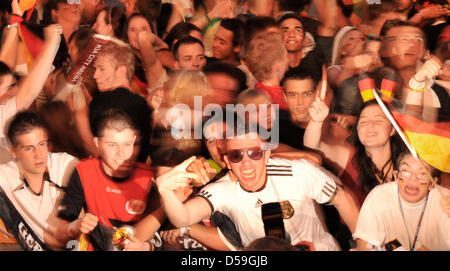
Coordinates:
402 135
394 123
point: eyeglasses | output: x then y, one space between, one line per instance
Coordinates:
406 39
236 156
407 175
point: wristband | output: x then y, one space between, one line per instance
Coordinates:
416 85
13 25
185 231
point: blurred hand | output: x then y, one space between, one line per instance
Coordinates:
53 33
358 62
134 244
177 177
86 224
318 111
15 8
222 9
201 167
155 99
170 236
432 12
429 69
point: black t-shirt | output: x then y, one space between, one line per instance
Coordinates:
444 100
291 134
312 63
131 103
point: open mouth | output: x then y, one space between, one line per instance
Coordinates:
411 190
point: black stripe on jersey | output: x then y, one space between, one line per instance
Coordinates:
326 192
279 170
274 174
330 186
279 166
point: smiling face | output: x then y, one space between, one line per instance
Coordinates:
293 34
374 129
250 173
412 180
31 152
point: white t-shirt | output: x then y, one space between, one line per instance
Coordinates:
7 110
380 220
301 183
37 209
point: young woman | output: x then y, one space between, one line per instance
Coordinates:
368 161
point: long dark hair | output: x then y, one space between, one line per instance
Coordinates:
367 171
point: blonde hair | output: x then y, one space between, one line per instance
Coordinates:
120 54
262 53
184 85
249 96
336 56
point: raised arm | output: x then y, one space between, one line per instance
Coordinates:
421 79
179 214
32 85
148 45
8 53
318 112
327 11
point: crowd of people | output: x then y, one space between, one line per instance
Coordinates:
222 125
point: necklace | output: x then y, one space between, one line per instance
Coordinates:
413 245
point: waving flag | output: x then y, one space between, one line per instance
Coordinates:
429 140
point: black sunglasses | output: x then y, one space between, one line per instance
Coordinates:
236 156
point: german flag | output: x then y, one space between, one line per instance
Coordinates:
387 87
366 86
33 43
430 140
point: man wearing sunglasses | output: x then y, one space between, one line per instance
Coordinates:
407 210
297 185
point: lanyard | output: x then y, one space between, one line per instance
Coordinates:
384 175
418 224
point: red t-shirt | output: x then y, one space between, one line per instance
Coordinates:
276 93
109 200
